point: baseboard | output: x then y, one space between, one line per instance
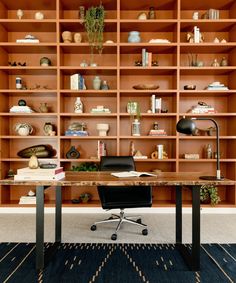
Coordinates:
164 210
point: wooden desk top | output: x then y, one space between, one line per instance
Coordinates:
105 179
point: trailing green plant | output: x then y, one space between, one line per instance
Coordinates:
209 192
94 25
137 115
85 166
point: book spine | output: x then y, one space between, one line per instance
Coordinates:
150 59
74 82
147 58
196 33
160 151
153 99
158 105
143 57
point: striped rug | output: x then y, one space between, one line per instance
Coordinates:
117 263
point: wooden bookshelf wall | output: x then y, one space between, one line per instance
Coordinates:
116 66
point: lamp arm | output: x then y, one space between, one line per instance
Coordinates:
217 144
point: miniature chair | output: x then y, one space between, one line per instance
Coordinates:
122 197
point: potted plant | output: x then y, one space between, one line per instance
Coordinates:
85 166
94 26
209 194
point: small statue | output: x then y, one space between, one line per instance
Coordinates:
215 63
223 62
19 14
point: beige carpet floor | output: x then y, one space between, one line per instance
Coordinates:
215 228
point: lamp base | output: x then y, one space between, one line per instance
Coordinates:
211 178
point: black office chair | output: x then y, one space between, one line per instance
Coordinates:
120 196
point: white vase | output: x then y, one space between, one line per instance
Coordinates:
102 129
96 83
78 107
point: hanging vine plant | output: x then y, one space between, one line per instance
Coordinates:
94 25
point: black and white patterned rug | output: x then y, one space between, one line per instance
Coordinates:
117 263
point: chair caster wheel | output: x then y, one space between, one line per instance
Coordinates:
139 221
114 237
145 232
93 227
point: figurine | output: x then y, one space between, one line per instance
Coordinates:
215 63
19 14
223 62
39 16
67 36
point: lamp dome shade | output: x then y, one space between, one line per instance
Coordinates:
186 126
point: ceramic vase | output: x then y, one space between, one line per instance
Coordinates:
96 83
43 107
33 162
134 36
72 153
102 129
78 107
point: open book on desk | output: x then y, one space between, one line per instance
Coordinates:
128 174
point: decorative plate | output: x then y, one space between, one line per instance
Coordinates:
146 86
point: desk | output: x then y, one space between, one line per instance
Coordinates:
175 180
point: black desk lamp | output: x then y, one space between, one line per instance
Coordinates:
188 127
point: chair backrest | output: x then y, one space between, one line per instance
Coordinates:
117 163
122 196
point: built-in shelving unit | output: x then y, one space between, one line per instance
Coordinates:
116 66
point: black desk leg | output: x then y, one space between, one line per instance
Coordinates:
58 215
191 258
39 227
178 215
196 227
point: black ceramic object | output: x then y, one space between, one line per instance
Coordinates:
22 102
72 153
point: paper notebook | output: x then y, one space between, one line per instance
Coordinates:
128 174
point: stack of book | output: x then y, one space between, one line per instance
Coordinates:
39 174
217 86
156 104
159 132
101 149
77 82
201 109
27 200
146 58
76 133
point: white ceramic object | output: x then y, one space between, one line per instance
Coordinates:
102 129
39 16
142 16
78 107
77 37
23 129
97 83
19 14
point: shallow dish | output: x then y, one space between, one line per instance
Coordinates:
189 87
146 86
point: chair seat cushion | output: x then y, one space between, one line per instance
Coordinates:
125 197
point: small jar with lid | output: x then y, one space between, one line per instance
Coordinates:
18 83
136 128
